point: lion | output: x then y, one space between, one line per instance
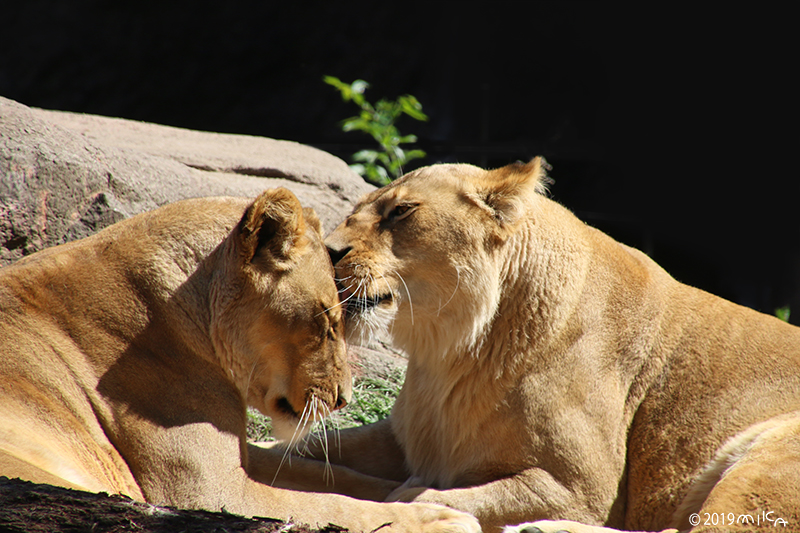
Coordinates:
556 374
127 361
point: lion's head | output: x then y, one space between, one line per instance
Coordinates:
278 328
421 256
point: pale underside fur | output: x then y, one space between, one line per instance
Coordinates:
555 374
127 361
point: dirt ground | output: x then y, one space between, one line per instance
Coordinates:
31 508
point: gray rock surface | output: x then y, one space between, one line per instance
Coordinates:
64 176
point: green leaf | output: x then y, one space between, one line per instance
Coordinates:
343 88
783 313
397 152
357 89
368 156
359 169
336 82
415 154
358 124
377 175
412 107
384 158
359 86
384 176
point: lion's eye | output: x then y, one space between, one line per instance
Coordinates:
330 322
400 211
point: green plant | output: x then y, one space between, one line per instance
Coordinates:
783 313
259 427
380 166
373 398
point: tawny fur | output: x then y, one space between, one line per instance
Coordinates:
557 374
127 360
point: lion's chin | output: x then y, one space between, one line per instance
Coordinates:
286 421
288 426
290 431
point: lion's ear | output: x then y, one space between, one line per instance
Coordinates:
272 227
506 190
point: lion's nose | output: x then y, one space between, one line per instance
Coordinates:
337 253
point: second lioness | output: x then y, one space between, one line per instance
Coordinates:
554 373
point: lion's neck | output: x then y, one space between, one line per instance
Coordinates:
171 279
528 312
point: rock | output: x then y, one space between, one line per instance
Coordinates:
64 176
32 508
377 358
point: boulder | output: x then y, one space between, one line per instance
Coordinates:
64 176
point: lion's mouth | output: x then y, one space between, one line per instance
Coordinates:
283 406
368 302
354 303
362 304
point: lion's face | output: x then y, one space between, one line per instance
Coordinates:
280 324
420 256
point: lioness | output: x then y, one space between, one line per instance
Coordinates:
554 373
127 360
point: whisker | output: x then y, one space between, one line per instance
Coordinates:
291 443
410 303
458 284
337 434
250 376
328 472
315 412
362 284
342 302
310 411
321 413
374 284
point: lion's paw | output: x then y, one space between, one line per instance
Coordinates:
562 526
552 526
439 519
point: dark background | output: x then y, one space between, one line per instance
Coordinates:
669 128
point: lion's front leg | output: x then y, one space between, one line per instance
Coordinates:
272 466
529 496
317 509
371 450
